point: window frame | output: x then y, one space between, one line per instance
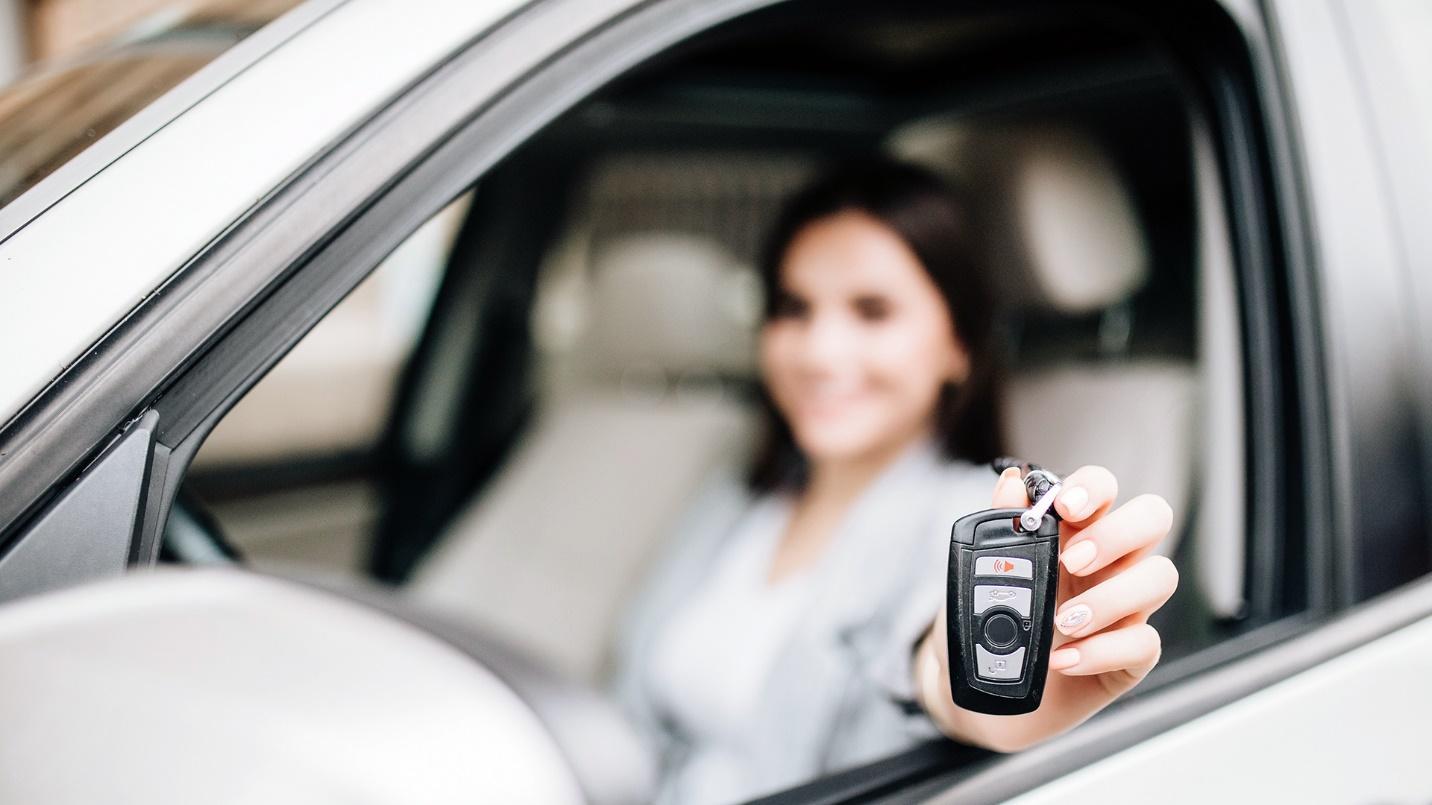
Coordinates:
1354 273
1402 138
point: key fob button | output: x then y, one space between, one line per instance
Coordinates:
1012 566
989 595
999 667
1000 630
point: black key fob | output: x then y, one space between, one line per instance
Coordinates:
1003 577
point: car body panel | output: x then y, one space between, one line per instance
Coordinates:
74 272
361 707
1342 731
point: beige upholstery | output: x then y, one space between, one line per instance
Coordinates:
1066 236
639 410
677 304
1136 419
1062 234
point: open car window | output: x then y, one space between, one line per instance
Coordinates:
531 451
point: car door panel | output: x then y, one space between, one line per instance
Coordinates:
1348 729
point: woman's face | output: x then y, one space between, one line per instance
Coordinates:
860 342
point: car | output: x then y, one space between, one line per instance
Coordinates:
351 384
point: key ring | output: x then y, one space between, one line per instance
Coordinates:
1041 487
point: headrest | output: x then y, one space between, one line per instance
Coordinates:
668 303
1057 224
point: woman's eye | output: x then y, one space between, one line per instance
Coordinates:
789 307
872 308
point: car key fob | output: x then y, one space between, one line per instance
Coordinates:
1003 576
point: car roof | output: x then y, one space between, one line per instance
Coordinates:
85 247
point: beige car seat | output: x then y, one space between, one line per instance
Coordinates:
1060 228
645 351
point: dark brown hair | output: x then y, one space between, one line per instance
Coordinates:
930 218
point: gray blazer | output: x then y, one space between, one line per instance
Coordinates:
840 692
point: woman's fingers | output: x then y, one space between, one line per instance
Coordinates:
1138 524
1009 490
1141 589
1086 491
1133 649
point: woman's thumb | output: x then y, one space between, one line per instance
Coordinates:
1009 490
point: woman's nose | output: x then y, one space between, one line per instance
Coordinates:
828 343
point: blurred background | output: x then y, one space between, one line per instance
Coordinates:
42 30
79 68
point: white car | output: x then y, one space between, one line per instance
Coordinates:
1210 223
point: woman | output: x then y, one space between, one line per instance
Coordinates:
797 626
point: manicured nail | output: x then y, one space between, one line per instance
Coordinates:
1009 476
1079 556
1063 658
1074 618
1075 498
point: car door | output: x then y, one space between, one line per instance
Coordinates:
1332 430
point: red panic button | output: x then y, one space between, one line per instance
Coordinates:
1012 566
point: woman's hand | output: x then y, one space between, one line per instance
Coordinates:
1109 584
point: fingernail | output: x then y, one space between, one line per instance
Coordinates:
1063 658
1074 618
1075 499
1009 476
1079 556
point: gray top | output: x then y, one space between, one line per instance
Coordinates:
839 692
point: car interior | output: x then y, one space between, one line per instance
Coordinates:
507 420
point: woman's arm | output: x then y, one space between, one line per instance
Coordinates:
1103 644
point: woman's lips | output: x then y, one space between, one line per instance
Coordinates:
827 406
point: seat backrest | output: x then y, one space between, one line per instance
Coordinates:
1137 420
644 406
1061 232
